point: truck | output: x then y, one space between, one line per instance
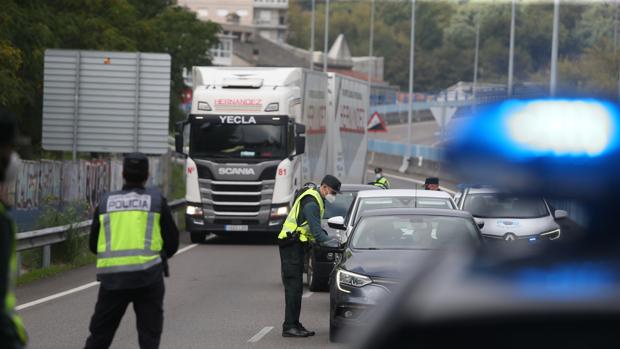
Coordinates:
243 142
255 135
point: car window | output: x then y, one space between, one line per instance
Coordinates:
340 207
412 232
367 204
495 205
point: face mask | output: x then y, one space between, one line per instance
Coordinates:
330 198
10 169
378 175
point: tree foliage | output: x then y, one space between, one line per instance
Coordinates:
445 39
29 27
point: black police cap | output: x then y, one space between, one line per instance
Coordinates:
432 180
136 163
332 182
8 127
378 170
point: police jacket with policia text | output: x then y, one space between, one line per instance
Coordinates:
132 230
305 216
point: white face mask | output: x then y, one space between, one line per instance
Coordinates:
378 175
330 198
13 170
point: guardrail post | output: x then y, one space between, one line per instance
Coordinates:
47 256
18 261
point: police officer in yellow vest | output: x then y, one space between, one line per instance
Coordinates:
132 234
381 181
12 331
301 227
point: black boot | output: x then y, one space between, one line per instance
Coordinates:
294 332
303 329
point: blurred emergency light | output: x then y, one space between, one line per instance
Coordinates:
540 144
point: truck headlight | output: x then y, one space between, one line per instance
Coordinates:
204 106
347 278
194 211
273 107
279 211
552 235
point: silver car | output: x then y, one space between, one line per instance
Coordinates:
509 217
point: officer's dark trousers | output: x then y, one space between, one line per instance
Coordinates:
111 305
292 261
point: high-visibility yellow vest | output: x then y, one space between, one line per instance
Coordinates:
10 301
382 182
130 231
290 224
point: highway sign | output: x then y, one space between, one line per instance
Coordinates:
376 123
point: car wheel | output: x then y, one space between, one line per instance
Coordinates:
197 237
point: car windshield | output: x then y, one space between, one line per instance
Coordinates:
340 206
212 138
367 204
495 205
412 232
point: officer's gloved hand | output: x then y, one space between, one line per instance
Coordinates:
331 243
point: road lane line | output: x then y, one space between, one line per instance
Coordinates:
413 180
84 287
307 294
57 295
260 334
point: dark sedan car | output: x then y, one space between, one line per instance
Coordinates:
383 247
320 260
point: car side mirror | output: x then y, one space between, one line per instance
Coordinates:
560 214
178 138
336 223
300 128
479 223
300 145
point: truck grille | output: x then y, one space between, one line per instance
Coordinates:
236 187
226 208
235 198
236 201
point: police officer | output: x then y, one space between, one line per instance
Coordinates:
12 331
431 183
381 181
301 227
133 234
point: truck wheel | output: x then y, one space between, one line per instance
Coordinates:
197 237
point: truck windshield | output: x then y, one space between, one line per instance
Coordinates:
210 137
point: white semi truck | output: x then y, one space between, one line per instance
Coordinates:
244 141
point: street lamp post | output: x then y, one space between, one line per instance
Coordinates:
326 43
312 28
410 99
512 49
475 87
554 48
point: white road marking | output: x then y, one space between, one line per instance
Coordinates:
57 295
413 180
307 294
86 286
260 334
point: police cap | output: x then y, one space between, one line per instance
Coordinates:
135 167
331 182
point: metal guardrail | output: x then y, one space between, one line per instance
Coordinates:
49 236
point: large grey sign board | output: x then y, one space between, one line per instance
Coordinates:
113 102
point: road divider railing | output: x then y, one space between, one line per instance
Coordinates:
45 238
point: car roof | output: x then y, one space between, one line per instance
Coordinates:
482 190
358 187
403 193
416 211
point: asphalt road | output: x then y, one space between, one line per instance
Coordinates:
225 293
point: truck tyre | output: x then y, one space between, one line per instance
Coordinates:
197 237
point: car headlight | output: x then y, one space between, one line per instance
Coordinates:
347 278
273 107
279 211
194 211
552 235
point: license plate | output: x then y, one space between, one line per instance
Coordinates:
236 227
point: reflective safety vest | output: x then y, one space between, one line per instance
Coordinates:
10 301
130 232
382 182
290 224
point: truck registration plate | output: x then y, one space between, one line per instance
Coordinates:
229 227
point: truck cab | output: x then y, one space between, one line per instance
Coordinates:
243 140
